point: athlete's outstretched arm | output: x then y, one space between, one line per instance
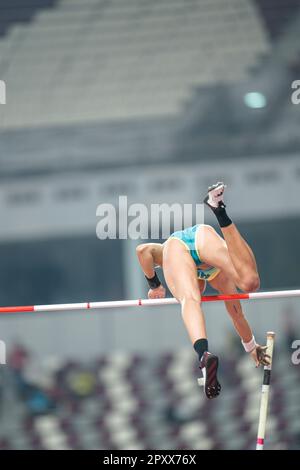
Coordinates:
150 255
226 286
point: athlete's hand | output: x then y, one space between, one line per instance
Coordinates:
158 293
260 357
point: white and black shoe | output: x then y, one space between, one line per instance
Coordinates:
215 196
209 366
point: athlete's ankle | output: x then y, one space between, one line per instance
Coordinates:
201 346
223 219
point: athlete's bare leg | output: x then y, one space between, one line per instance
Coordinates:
214 251
181 277
240 253
241 256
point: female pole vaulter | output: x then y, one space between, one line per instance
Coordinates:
198 254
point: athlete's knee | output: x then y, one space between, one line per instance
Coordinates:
250 283
190 298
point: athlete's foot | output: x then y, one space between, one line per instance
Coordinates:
215 196
215 201
209 367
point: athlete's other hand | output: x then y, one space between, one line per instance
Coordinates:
260 357
158 293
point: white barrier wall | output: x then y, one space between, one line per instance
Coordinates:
265 188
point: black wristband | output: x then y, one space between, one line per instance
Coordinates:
153 282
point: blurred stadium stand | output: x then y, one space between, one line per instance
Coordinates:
277 14
95 87
16 12
99 60
136 82
124 401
